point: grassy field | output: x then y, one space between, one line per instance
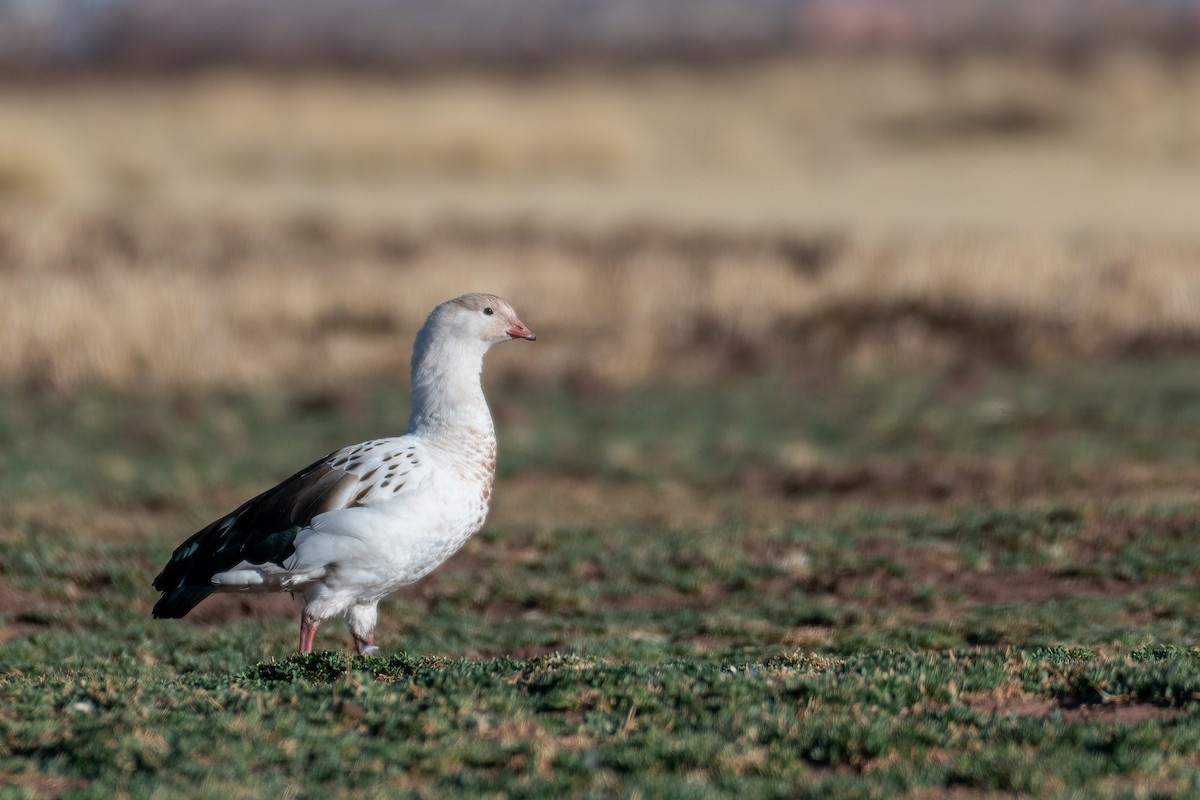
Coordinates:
922 586
853 458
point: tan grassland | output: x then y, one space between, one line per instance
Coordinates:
232 230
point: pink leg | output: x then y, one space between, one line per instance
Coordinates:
308 630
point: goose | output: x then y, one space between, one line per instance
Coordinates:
356 525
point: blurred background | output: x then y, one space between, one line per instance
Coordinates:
212 195
787 260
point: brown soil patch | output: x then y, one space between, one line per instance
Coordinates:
545 502
96 521
926 565
807 637
1109 534
522 652
19 606
711 643
15 601
1117 713
223 607
666 598
957 479
984 587
41 785
1008 702
1032 586
954 793
938 565
914 481
17 630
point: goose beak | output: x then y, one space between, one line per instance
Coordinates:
519 331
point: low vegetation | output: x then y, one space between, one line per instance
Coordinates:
783 587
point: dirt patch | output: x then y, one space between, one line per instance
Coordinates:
1117 713
23 611
914 481
893 566
1110 534
807 637
961 334
666 599
522 652
897 569
954 123
965 479
15 601
544 502
954 793
1009 702
224 607
711 643
41 785
1031 586
540 501
984 587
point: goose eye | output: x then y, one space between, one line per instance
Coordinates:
488 311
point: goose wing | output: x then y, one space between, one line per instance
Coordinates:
263 529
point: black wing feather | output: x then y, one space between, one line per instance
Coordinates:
261 530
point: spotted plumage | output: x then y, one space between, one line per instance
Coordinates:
359 523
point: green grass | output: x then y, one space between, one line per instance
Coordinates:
960 585
871 725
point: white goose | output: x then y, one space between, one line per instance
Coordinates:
367 519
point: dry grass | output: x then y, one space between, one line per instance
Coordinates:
244 307
234 230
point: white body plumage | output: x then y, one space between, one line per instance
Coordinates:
370 518
415 506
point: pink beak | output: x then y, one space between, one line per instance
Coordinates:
518 331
